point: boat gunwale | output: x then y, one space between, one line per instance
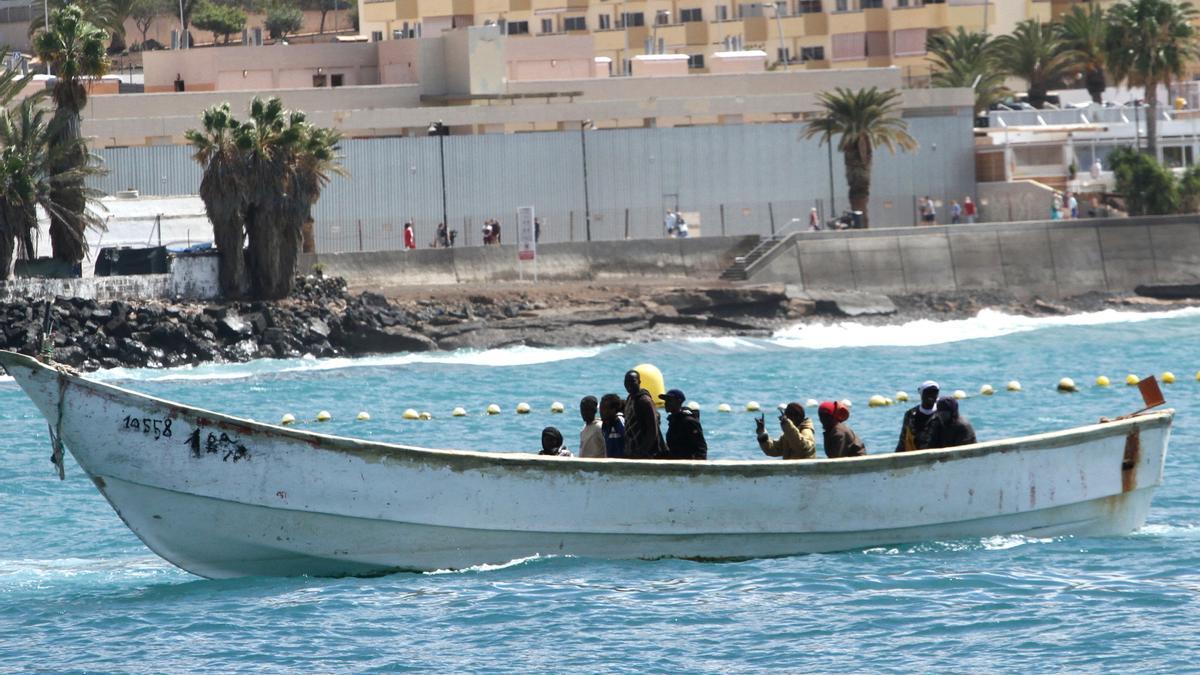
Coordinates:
370 450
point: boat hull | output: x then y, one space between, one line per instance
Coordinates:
222 497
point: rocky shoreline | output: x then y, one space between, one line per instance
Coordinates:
324 319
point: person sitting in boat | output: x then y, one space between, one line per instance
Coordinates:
552 443
685 436
914 434
591 438
612 425
643 433
797 441
949 429
840 440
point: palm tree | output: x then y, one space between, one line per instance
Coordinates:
865 119
1083 33
28 178
220 189
1148 43
261 180
75 49
108 15
1035 52
966 60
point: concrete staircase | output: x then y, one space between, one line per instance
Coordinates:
740 269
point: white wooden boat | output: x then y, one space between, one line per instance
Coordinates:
221 496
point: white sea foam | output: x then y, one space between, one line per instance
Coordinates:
727 342
987 324
493 567
510 356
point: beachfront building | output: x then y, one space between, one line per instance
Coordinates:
795 34
593 153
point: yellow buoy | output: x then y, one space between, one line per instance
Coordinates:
523 408
287 419
557 407
987 390
1013 385
458 412
425 416
1168 377
410 414
877 401
1102 381
493 409
693 406
1198 375
902 396
752 406
363 416
724 407
324 416
960 394
1067 385
1132 380
652 381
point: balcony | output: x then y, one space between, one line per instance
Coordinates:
876 19
696 33
847 22
755 28
610 40
443 7
544 5
914 17
380 12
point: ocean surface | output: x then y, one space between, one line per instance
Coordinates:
78 592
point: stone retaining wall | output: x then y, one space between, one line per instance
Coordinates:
1046 258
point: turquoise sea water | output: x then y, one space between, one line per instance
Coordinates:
78 592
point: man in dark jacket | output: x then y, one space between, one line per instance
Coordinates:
914 435
840 439
643 436
948 428
612 425
685 436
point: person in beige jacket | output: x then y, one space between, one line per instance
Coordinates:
797 441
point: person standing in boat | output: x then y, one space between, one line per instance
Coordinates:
914 434
552 443
685 436
797 441
591 438
612 425
643 433
840 440
949 429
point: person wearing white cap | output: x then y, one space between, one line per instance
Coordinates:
914 435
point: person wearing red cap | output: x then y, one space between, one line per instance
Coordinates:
840 440
797 441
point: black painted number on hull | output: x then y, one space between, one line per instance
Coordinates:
159 428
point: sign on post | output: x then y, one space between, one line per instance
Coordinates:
526 234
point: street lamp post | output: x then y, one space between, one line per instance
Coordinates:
829 146
182 29
779 27
587 205
441 131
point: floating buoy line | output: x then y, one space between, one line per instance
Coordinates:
653 382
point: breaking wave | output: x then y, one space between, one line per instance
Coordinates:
987 324
498 358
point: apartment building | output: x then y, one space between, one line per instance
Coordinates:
795 34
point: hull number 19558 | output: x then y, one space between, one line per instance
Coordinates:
160 428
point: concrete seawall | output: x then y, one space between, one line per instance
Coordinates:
703 258
1043 258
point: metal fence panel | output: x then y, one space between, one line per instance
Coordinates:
733 179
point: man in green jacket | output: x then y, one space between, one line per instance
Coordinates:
797 441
